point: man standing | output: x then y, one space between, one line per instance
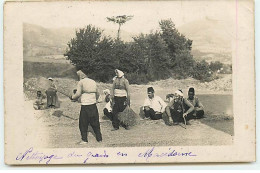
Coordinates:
87 90
176 109
121 98
154 106
51 93
198 107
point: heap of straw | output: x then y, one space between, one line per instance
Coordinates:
127 117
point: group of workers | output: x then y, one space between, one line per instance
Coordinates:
176 111
51 94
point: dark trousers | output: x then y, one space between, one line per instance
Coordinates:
89 115
177 116
119 106
51 97
196 114
108 114
150 113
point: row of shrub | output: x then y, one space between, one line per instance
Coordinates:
149 57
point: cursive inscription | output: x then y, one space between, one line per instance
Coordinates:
30 155
95 155
170 153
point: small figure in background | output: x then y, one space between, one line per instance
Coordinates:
38 104
51 93
108 107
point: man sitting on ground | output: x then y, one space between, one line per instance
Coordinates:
198 107
38 104
176 109
108 107
154 106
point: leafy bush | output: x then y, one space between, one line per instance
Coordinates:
154 56
215 66
202 71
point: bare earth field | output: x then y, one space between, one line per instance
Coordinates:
58 128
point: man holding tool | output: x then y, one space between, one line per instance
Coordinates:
87 90
176 109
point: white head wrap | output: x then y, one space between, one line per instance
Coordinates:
81 74
120 73
179 93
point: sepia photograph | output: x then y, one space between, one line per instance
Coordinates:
129 82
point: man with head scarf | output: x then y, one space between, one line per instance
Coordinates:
198 107
121 98
87 90
154 106
176 108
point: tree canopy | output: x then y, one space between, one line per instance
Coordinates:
120 20
158 55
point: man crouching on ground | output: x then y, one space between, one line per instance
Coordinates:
198 107
87 89
176 109
154 106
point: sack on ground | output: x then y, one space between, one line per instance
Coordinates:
127 117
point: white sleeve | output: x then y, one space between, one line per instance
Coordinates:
79 91
163 104
146 102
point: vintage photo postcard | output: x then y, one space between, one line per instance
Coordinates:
110 82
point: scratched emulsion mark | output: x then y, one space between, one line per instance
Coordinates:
35 155
236 39
170 153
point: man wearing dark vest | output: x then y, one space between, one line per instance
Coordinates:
87 90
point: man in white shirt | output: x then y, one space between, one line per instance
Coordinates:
154 106
87 90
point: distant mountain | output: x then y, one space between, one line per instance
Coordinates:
211 39
40 41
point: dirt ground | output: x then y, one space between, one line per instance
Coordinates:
58 128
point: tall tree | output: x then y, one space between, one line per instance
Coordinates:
179 48
91 52
152 54
120 20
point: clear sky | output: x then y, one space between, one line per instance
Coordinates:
146 14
